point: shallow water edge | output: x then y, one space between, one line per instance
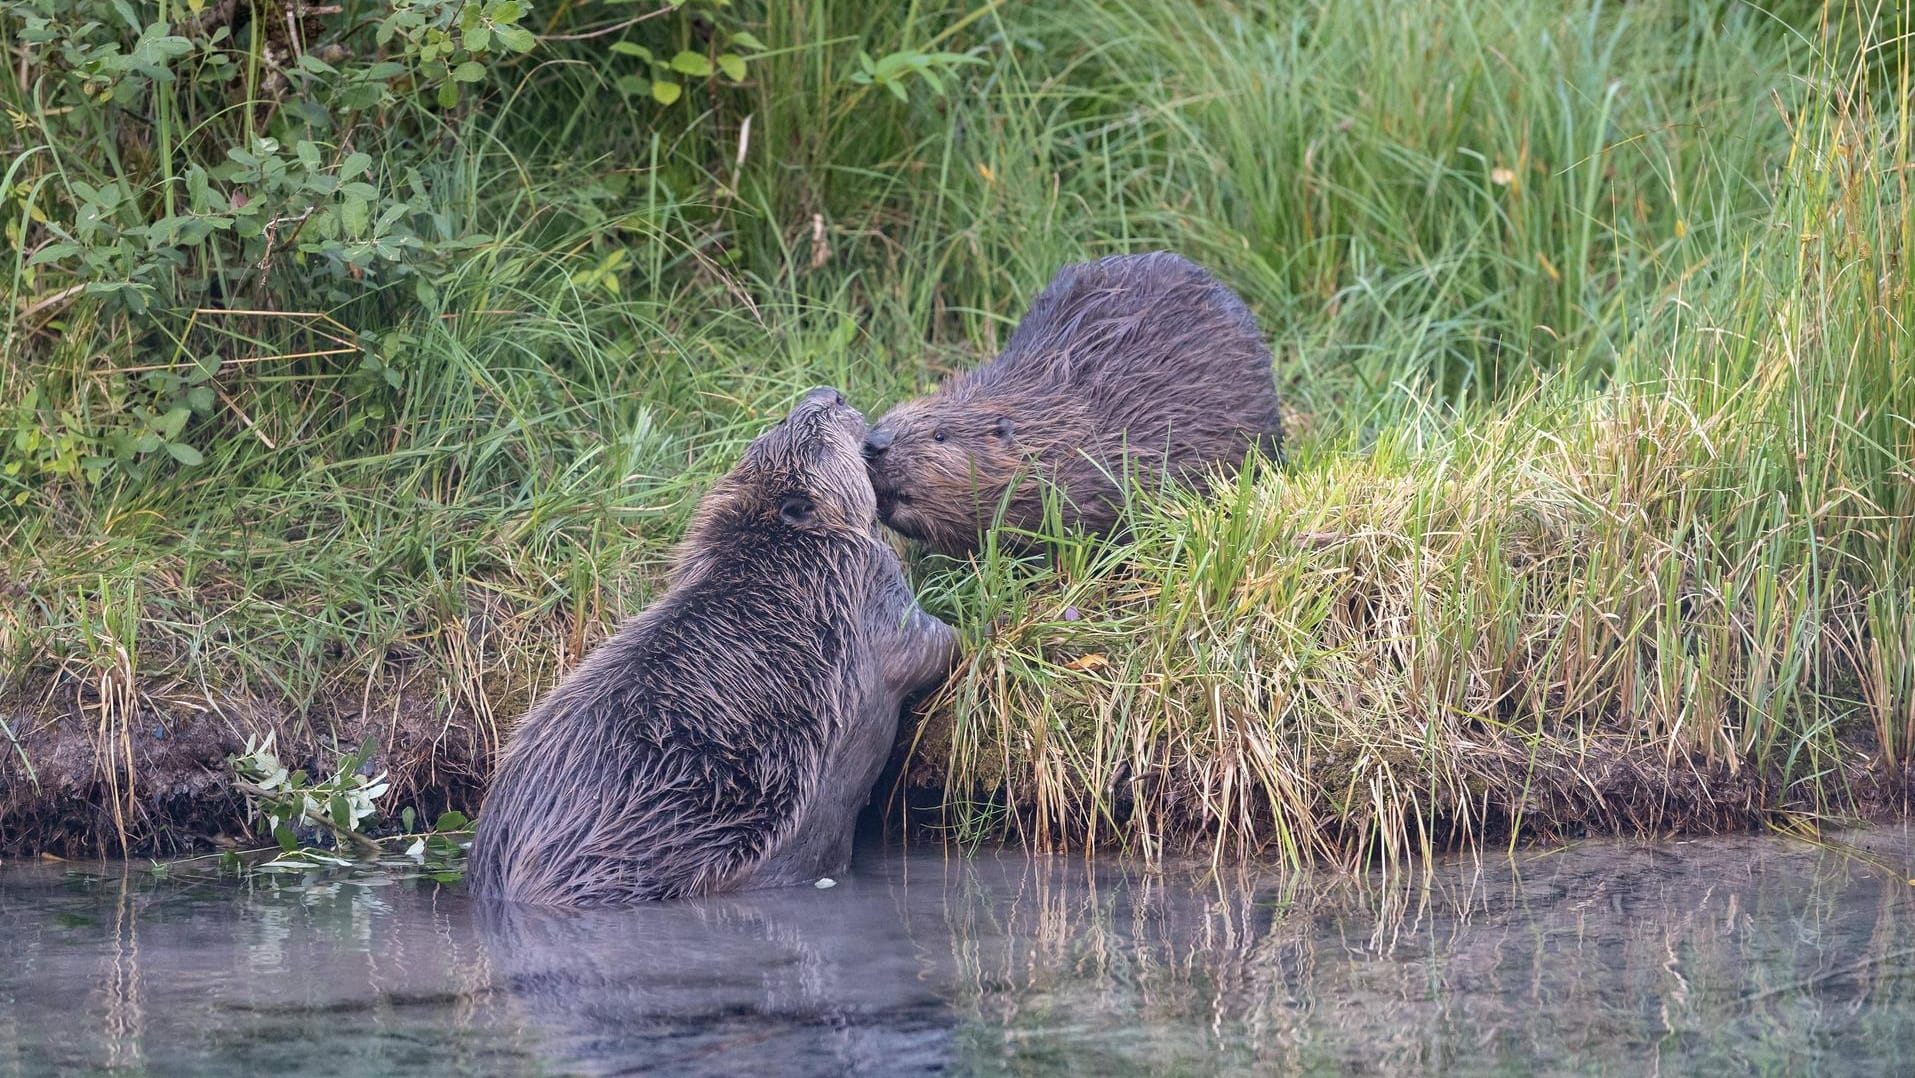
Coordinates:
1744 954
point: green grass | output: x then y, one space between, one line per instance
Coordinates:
1600 514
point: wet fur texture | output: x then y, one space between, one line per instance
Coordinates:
726 737
1136 363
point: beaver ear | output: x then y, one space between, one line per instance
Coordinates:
795 508
1005 427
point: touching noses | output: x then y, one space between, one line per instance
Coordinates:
876 441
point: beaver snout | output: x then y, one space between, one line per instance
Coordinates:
876 441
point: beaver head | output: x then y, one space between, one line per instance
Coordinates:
939 466
802 479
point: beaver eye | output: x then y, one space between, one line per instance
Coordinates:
937 435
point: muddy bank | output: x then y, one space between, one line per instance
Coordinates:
145 773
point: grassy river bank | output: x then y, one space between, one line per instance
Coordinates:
1594 318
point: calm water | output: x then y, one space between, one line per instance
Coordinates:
1720 956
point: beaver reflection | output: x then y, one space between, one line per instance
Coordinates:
788 982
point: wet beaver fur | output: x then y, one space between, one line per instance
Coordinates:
727 736
1135 363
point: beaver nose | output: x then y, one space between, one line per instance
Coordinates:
876 441
824 395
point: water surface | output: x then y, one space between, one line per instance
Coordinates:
1714 956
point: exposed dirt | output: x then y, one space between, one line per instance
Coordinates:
156 782
83 779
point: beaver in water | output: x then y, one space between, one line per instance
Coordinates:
727 736
1140 364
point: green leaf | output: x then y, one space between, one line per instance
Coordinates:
340 810
476 39
406 818
691 63
516 38
200 399
632 84
284 836
732 65
744 40
627 48
185 454
666 92
448 95
354 215
356 759
53 252
470 71
452 820
174 421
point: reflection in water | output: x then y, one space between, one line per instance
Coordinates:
120 982
802 984
1732 955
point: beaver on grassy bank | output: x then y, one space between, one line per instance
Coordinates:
1140 364
727 736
